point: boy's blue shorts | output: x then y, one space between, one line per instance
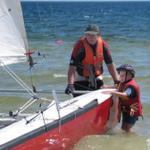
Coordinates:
126 118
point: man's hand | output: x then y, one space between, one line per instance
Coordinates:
69 89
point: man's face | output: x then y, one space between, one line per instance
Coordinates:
92 39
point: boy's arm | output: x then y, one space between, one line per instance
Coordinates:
122 95
129 93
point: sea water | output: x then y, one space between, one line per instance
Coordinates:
52 30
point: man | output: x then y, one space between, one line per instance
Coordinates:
129 97
86 64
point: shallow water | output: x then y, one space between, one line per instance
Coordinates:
114 142
125 30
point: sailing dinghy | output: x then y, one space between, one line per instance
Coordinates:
61 124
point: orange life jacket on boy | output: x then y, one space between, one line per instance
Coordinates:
125 104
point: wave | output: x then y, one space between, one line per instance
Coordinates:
59 75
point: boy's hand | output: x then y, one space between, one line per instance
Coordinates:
107 86
106 92
132 112
111 91
134 108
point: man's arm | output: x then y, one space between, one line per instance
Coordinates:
109 62
71 78
71 74
112 70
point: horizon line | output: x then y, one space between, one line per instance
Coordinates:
86 0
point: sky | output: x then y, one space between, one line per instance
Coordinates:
85 0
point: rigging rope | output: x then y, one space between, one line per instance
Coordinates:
18 80
31 65
30 59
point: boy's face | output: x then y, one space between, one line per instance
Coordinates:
124 76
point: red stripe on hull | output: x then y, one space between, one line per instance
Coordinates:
91 122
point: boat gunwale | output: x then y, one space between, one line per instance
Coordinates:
52 125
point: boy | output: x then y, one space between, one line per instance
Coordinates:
129 97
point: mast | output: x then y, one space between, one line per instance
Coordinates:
13 41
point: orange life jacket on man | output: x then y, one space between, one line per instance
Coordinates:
90 59
125 104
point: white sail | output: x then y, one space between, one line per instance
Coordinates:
13 41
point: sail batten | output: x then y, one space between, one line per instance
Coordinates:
13 41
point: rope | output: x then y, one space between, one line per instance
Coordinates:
49 106
18 80
25 106
31 79
30 59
